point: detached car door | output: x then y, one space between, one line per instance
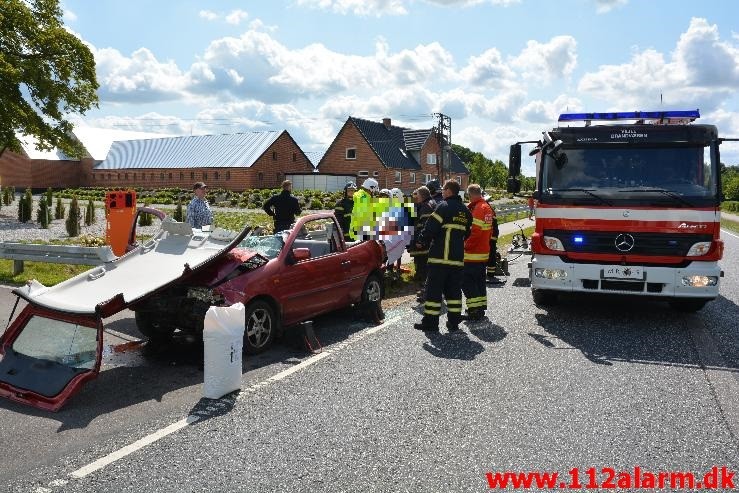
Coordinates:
46 356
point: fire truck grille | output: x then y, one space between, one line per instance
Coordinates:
619 242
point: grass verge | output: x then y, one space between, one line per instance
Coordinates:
732 226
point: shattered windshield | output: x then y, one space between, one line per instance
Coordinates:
61 342
619 172
267 246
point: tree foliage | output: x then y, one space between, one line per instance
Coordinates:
73 219
730 181
43 214
483 171
46 73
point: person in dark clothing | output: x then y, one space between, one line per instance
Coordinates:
283 207
435 190
444 234
343 209
425 206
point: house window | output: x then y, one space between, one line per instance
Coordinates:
108 176
215 175
412 178
274 155
169 176
426 178
126 176
134 176
398 177
295 156
152 177
363 173
228 175
459 180
182 175
192 175
205 176
260 177
351 153
431 158
161 176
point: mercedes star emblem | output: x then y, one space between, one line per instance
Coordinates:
624 242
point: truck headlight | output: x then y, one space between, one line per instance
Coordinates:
700 248
700 281
553 243
550 273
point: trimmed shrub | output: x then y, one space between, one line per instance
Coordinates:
59 211
49 197
73 219
146 219
90 213
43 217
178 214
24 207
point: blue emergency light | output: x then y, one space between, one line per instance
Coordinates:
577 239
630 115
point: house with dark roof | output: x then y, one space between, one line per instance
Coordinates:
232 161
394 156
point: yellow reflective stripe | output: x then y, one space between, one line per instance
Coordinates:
456 263
437 217
455 310
424 215
446 243
476 256
454 226
426 311
432 303
454 302
479 222
479 304
338 208
477 298
419 253
487 227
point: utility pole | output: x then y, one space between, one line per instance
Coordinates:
443 131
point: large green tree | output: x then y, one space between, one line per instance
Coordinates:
46 74
483 171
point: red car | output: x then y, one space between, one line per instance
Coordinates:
55 344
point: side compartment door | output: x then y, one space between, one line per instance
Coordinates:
46 356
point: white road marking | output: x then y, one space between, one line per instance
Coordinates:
730 234
174 427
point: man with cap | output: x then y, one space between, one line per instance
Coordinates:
283 207
198 210
343 209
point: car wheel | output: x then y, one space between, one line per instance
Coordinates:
152 328
687 306
372 290
260 327
543 297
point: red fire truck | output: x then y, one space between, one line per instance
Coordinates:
628 204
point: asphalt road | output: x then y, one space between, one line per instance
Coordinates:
589 383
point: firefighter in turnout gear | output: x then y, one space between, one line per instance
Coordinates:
444 234
476 253
494 267
425 206
343 209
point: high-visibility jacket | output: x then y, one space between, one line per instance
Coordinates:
361 214
477 245
445 232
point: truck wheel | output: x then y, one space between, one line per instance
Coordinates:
687 306
544 297
148 325
260 327
372 290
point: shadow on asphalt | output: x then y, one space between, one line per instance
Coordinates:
638 331
149 372
452 346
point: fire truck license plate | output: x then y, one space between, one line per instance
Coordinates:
623 272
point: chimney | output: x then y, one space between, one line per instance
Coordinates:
386 122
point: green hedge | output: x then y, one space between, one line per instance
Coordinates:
730 206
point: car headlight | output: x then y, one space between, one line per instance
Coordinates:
699 281
553 243
550 273
700 248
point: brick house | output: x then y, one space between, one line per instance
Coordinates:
394 156
231 161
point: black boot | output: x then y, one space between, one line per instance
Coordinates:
425 328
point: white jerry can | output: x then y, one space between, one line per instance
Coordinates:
223 341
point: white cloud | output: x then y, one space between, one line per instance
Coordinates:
358 7
604 6
547 112
488 69
208 15
68 16
702 72
236 16
544 61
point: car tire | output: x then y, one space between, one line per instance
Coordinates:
543 297
372 290
687 305
260 327
151 328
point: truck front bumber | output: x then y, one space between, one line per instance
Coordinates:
665 282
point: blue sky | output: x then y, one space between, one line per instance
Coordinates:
502 69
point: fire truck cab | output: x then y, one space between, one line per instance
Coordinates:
628 204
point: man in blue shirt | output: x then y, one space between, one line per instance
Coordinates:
198 210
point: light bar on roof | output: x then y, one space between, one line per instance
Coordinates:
630 115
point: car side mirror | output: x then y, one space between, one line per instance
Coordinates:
301 254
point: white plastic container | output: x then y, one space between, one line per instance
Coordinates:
223 340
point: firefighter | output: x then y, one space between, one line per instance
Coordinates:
444 235
476 254
435 189
425 205
343 209
362 221
493 267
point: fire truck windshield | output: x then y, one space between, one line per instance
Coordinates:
620 174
